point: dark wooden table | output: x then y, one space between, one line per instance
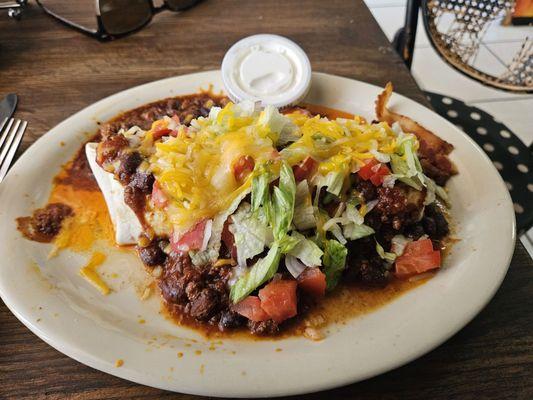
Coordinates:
57 71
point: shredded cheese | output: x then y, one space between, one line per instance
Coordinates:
91 275
195 166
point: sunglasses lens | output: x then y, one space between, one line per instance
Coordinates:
80 13
177 5
122 16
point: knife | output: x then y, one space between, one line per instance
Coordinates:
7 106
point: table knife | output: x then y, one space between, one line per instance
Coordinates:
7 106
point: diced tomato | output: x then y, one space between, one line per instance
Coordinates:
278 299
229 239
377 178
191 240
159 197
418 247
243 167
250 308
305 169
418 257
159 133
375 171
366 171
312 281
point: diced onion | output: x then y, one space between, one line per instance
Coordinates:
398 244
381 157
375 168
207 234
330 222
171 123
370 205
340 209
337 232
294 266
389 181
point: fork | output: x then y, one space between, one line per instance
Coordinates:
11 132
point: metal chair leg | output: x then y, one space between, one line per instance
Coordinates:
404 39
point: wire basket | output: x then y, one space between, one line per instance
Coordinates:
457 28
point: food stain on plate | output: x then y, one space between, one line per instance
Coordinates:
90 273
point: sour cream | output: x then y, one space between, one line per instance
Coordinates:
270 69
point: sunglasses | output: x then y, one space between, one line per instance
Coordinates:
118 18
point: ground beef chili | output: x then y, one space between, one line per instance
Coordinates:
45 223
399 211
198 292
142 181
128 163
154 253
437 165
202 294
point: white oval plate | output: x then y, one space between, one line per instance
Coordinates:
50 298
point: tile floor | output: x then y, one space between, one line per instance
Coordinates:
433 74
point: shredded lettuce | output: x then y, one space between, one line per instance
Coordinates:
401 172
204 257
279 124
333 182
280 218
287 243
250 232
322 139
353 214
210 254
354 232
283 202
260 193
245 108
355 229
263 270
434 190
398 243
337 232
406 168
405 164
219 120
304 214
306 251
213 113
351 221
294 266
390 257
334 262
381 157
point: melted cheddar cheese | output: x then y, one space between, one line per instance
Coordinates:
91 275
195 166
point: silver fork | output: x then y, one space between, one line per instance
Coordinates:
11 133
